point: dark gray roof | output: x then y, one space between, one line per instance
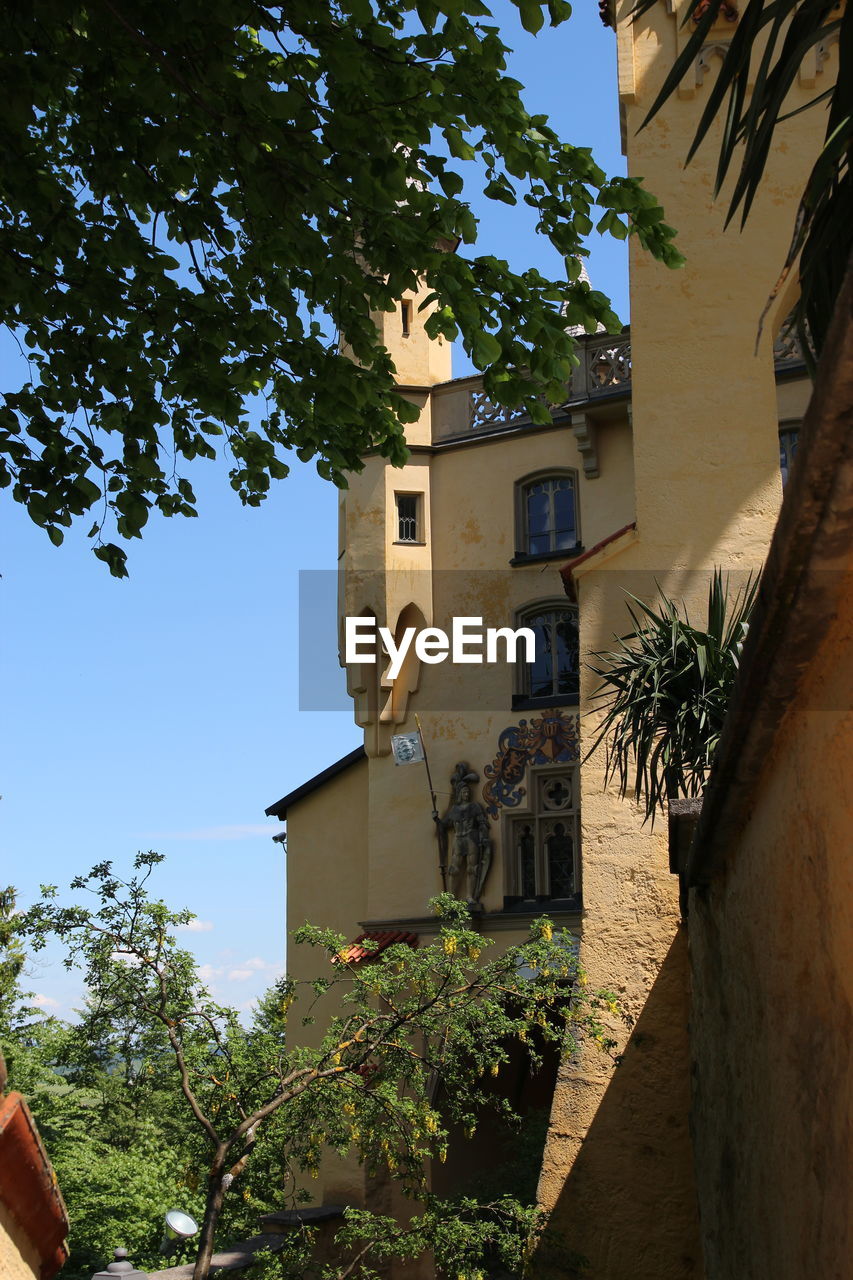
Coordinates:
279 809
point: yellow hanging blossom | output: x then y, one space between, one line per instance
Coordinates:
449 946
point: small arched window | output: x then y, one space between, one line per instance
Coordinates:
553 678
547 514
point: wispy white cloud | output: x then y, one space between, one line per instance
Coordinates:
237 831
197 926
207 972
45 1002
252 967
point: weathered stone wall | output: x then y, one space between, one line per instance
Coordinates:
772 1026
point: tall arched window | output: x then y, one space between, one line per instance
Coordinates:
547 514
554 675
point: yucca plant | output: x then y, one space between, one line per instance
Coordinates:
665 689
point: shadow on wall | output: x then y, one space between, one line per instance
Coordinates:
635 1163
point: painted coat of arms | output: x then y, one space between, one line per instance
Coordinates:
551 738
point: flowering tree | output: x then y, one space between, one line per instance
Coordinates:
395 1027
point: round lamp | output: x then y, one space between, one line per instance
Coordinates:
178 1226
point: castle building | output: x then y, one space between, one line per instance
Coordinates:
662 463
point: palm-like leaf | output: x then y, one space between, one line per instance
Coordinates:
823 229
665 690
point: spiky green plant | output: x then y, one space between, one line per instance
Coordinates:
665 690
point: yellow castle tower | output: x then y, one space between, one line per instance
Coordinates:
662 463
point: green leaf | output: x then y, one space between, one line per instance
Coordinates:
485 349
532 17
451 183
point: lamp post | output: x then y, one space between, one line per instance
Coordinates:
120 1267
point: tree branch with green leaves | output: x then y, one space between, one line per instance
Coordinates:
198 200
396 1027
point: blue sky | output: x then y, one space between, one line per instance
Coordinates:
162 711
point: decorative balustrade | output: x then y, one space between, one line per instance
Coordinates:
604 371
484 413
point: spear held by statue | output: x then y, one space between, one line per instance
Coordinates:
440 828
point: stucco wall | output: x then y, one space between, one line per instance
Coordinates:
19 1258
772 955
617 1175
327 829
618 1167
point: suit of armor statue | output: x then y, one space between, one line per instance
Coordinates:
472 845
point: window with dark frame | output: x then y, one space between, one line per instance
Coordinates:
542 859
547 514
788 438
406 317
409 517
554 674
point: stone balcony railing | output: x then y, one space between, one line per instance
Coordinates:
462 407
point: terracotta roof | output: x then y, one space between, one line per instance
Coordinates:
383 938
568 569
28 1185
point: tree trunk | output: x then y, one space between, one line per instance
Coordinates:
215 1196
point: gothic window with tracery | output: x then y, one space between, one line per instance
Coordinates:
543 845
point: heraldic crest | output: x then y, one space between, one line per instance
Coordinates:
551 738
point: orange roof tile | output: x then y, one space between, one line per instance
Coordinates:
355 952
